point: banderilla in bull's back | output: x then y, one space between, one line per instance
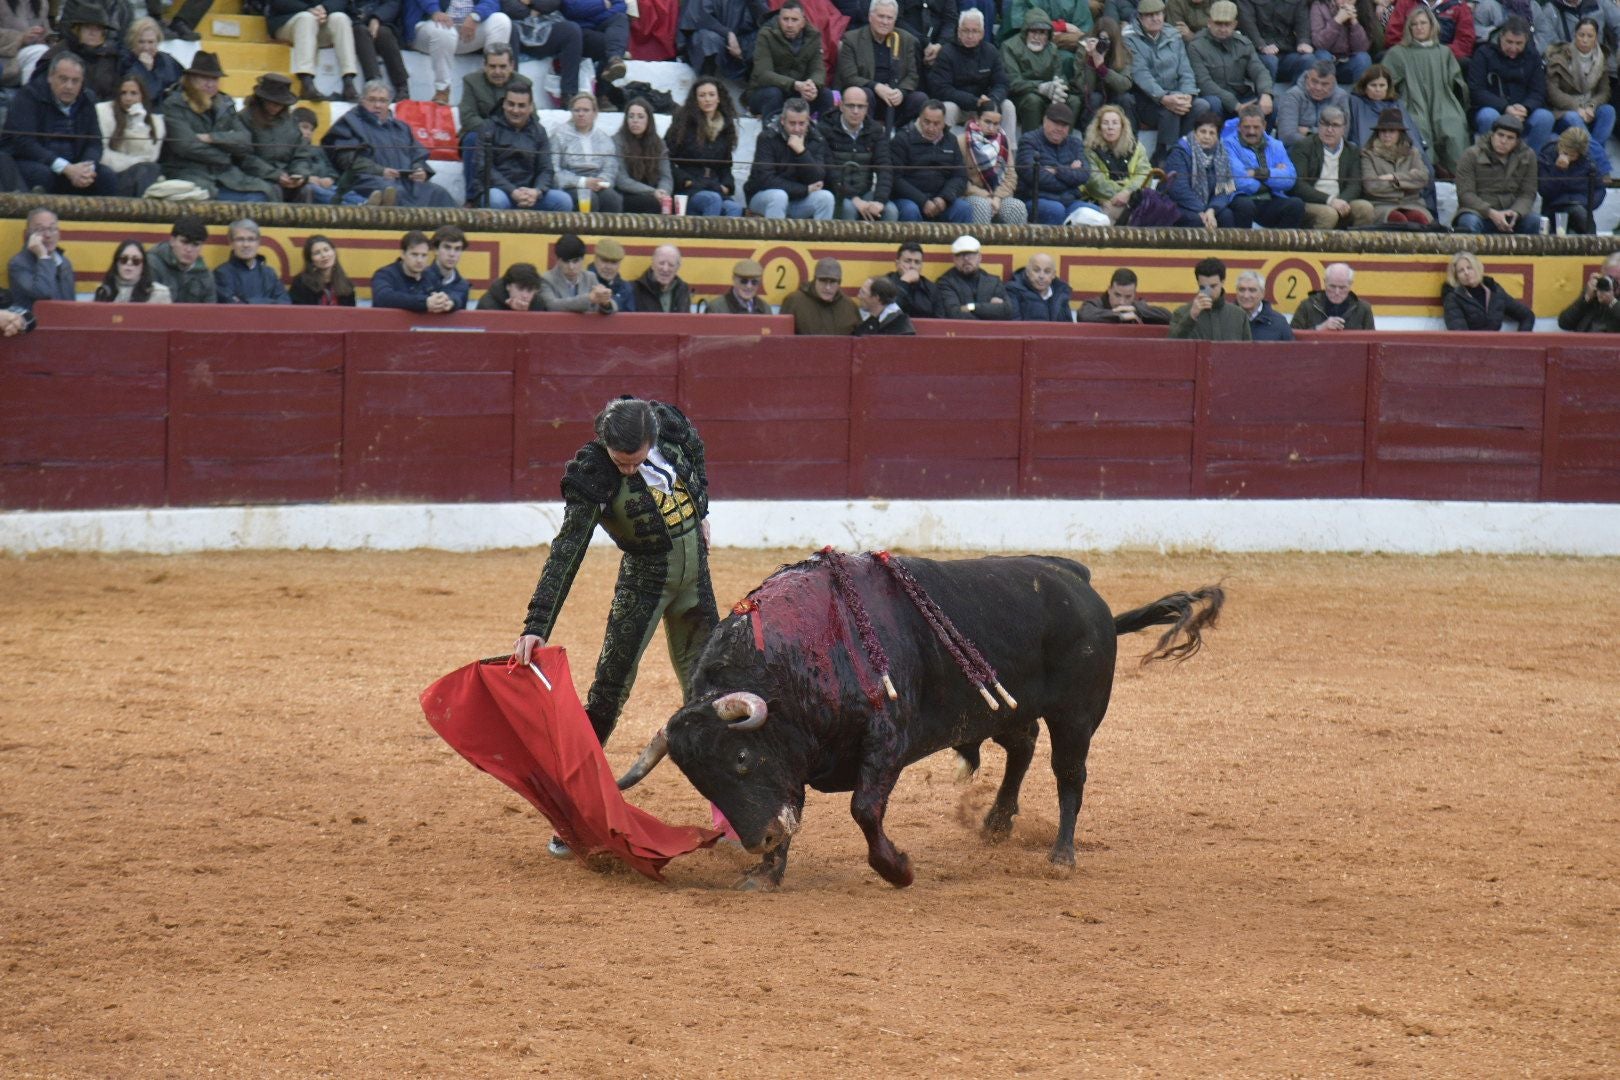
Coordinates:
793 688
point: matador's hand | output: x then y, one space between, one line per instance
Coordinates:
523 648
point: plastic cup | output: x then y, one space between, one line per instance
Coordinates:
584 199
680 204
1560 223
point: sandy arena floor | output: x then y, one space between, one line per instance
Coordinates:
1371 830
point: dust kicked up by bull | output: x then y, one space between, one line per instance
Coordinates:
792 689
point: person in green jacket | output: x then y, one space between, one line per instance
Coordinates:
788 62
1119 163
1207 316
1035 72
1071 20
206 142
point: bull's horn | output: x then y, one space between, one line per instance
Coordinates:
656 749
733 707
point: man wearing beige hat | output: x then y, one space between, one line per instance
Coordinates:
820 306
609 254
1226 64
743 297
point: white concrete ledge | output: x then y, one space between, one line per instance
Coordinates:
1346 525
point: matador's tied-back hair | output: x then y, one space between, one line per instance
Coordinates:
627 424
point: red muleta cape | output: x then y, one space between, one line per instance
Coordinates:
539 743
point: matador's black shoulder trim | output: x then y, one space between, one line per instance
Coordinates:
591 476
673 426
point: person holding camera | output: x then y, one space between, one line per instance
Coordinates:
1207 316
1596 310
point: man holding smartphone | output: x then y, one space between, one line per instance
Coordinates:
1207 316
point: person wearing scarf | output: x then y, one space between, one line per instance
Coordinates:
991 179
1200 178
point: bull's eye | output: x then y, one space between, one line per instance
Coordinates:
744 759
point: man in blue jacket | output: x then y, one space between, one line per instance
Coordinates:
406 284
1506 75
246 277
1038 295
40 271
609 257
509 164
446 28
1052 167
1262 170
52 132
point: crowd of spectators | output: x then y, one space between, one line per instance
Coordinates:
1322 114
426 278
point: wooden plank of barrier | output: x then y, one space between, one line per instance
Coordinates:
83 419
428 416
1582 451
255 417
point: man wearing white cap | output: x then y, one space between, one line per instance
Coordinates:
967 292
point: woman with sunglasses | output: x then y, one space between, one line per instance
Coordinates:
129 279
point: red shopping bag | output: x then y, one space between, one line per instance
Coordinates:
536 739
434 126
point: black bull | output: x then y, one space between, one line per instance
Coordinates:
784 694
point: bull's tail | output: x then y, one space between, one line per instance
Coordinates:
1188 615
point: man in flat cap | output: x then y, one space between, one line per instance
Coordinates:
743 297
609 254
820 306
1226 64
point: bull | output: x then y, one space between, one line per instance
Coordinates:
789 691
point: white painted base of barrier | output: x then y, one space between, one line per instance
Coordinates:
1343 525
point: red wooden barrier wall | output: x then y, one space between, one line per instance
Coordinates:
148 417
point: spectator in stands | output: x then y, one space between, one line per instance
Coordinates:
1188 17
541 32
377 42
788 62
322 282
307 122
992 179
1102 72
1334 306
1506 75
308 26
183 24
156 69
207 142
129 280
644 179
933 23
177 262
1037 294
131 138
1393 174
702 137
1226 64
1034 68
967 76
1264 322
1263 172
882 60
90 34
1299 111
1597 309
966 292
446 28
1474 301
609 255
605 28
1052 170
1578 88
1432 87
1327 176
929 175
716 37
1373 95
585 160
509 164
878 301
281 154
660 288
858 161
1556 21
13 319
819 306
1281 33
449 244
1117 162
408 282
24 27
54 135
743 297
482 90
516 290
1569 182
1166 86
789 177
1456 25
917 296
568 286
1339 36
245 277
1496 182
1201 181
1207 316
1120 304
382 155
40 271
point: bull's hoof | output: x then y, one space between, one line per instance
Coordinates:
897 873
1062 864
997 826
